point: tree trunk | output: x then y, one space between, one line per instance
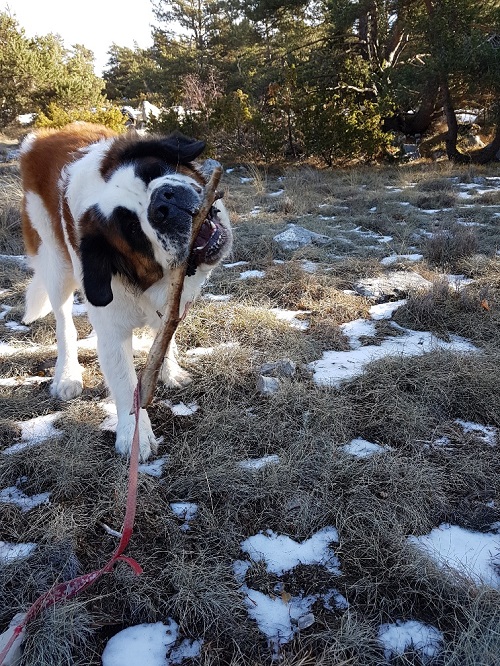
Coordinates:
452 151
480 156
421 121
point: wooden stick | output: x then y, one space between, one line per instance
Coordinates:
171 318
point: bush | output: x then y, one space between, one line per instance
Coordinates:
57 117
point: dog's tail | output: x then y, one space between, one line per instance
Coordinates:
37 300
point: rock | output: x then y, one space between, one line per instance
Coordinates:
295 237
267 385
285 367
394 285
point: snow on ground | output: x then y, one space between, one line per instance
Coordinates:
474 554
258 463
394 258
14 495
247 275
186 511
488 434
281 616
35 431
150 644
216 298
15 551
235 264
291 317
154 467
385 310
401 636
336 367
361 448
180 409
281 553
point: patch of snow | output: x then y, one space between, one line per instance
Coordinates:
385 310
149 644
206 351
90 342
7 349
274 616
79 309
155 467
295 237
35 431
19 259
236 264
333 600
278 193
356 329
15 326
488 434
281 553
336 367
361 448
10 552
180 409
458 281
394 258
309 266
259 463
247 275
401 636
290 316
186 511
474 554
217 298
16 496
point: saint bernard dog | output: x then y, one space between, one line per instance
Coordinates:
111 215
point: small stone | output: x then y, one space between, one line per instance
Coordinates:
267 385
285 367
295 237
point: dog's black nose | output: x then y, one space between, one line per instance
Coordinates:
173 203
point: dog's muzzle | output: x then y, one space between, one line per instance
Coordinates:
172 207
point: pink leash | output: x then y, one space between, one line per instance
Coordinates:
71 588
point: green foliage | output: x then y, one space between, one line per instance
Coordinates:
340 129
56 117
37 72
277 79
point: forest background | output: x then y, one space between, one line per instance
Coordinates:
327 80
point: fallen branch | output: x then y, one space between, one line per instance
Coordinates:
171 318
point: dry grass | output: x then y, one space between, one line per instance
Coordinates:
375 503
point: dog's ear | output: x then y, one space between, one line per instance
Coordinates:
98 268
176 149
182 147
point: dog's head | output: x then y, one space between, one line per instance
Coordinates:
134 200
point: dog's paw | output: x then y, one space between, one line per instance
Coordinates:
125 434
173 376
67 389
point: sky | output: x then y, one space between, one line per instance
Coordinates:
95 23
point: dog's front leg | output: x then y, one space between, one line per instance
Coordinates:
114 347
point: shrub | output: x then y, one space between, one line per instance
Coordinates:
57 117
